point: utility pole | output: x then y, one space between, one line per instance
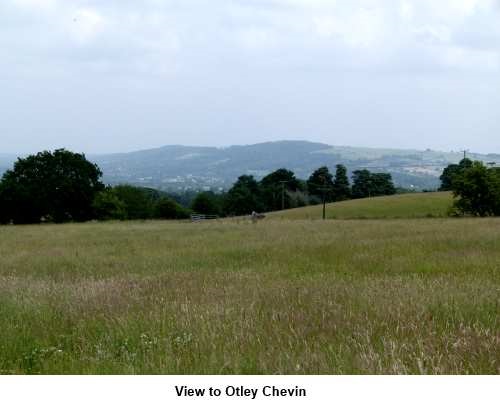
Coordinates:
283 182
324 190
465 153
324 205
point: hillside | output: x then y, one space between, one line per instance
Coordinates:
415 205
182 167
178 168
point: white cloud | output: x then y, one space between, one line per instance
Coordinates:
432 34
189 57
85 24
466 59
175 29
362 28
35 4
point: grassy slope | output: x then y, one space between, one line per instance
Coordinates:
419 205
395 296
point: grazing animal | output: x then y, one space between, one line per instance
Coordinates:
255 217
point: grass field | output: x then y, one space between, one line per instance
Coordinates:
293 297
416 205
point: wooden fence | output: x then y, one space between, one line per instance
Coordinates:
203 217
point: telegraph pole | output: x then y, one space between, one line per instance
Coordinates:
324 205
324 189
465 153
283 182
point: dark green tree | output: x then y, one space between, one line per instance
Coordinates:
320 184
451 171
207 203
184 198
276 189
366 184
4 208
382 184
477 191
139 201
244 197
55 186
341 187
108 206
361 184
167 208
282 175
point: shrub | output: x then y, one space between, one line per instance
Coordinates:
169 209
108 206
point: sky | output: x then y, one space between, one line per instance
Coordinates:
101 76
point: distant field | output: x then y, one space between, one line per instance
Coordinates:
417 205
292 297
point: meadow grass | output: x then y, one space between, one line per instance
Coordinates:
413 205
277 297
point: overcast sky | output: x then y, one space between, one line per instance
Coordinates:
120 75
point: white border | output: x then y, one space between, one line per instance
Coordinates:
386 390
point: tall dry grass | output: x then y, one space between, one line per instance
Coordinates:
394 296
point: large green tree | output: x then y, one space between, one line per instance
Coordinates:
366 184
320 184
451 171
362 184
166 208
5 216
56 186
139 202
341 187
477 190
382 184
108 206
276 189
207 203
244 197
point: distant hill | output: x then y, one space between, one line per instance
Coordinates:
413 205
177 168
186 167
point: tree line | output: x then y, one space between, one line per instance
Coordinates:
281 189
63 186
